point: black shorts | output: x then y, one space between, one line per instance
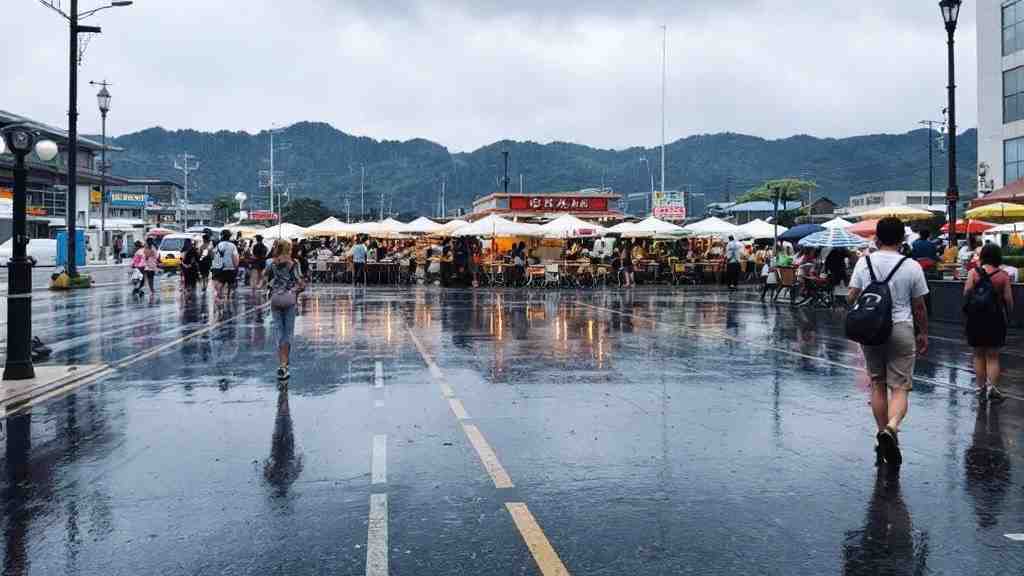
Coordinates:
259 264
225 276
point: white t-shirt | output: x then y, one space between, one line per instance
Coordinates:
224 256
908 283
732 251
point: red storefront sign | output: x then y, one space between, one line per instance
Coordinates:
262 215
557 204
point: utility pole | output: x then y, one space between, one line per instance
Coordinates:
520 182
444 186
348 210
505 179
185 164
664 65
362 191
272 170
931 124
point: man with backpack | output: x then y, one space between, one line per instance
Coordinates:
889 319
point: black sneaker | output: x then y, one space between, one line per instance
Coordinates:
994 395
890 445
879 459
981 394
282 373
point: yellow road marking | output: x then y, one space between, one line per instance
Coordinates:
543 553
458 409
487 457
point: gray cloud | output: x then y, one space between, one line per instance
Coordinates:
466 73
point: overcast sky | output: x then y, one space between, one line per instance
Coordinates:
465 73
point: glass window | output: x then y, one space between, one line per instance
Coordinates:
1013 89
1013 160
1013 28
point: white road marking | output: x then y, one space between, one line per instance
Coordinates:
377 536
378 403
1016 537
378 375
379 469
458 409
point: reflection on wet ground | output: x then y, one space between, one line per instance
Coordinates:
651 431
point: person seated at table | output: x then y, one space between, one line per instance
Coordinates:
532 259
638 253
323 253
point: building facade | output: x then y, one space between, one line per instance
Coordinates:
1000 93
931 201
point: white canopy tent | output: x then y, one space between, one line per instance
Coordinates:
761 230
423 225
717 227
569 226
450 227
497 227
284 230
329 227
650 227
837 222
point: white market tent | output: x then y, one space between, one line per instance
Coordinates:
650 227
837 222
717 227
569 226
422 225
284 230
449 228
761 230
497 227
329 227
393 226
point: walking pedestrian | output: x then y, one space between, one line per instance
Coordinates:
189 266
285 284
626 262
887 275
259 263
732 263
205 259
224 266
138 269
358 254
988 299
150 256
118 249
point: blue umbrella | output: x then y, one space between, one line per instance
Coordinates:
795 233
833 238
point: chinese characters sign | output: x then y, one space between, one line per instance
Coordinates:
557 204
262 215
670 205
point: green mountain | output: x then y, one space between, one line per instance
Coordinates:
318 161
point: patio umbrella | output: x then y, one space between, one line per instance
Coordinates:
159 232
904 213
837 223
650 227
1001 211
833 238
969 227
569 226
761 230
497 227
864 228
423 225
797 233
716 227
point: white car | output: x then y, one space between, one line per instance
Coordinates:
44 250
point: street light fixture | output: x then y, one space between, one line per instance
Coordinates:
103 99
950 12
21 140
73 17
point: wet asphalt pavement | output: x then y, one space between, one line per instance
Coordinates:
654 431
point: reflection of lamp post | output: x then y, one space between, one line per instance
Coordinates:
950 13
103 99
21 140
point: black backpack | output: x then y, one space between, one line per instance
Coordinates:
869 322
983 300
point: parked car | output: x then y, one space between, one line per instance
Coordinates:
43 250
169 252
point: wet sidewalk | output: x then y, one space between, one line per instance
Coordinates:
652 431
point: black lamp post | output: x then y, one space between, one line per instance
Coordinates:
103 99
950 13
21 140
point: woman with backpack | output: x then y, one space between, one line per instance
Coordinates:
285 283
988 300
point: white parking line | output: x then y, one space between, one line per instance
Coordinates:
377 536
378 375
378 403
1016 537
458 409
379 467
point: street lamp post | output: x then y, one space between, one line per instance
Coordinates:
950 13
103 99
73 18
21 140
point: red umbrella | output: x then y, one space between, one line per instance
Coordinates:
969 227
159 232
864 228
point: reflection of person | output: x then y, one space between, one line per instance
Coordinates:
283 466
987 468
886 543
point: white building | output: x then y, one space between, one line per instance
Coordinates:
1000 93
934 201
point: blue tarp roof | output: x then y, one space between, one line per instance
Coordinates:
763 206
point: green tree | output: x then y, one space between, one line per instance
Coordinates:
304 211
792 189
224 207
